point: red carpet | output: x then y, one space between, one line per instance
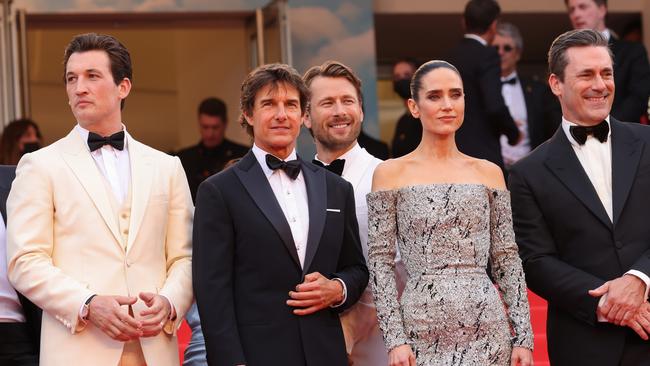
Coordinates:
537 315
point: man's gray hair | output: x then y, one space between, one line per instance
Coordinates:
506 29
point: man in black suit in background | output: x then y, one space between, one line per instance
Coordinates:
580 207
631 69
214 150
486 114
276 243
20 320
530 102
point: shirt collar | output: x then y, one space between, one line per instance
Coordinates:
84 136
348 155
510 76
260 155
566 125
476 37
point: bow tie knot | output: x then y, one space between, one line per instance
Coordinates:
291 167
335 166
599 131
96 141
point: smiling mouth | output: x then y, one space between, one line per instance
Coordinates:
338 126
600 99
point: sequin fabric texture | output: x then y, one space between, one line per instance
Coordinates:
450 312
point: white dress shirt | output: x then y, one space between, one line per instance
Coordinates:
596 160
292 197
10 309
513 95
113 164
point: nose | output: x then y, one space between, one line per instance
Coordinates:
338 108
446 103
281 113
80 86
599 83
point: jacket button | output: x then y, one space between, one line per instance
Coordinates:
618 244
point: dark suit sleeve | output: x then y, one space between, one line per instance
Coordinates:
556 281
351 266
495 107
637 92
212 271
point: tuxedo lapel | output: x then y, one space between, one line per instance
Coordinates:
142 176
626 154
532 124
257 185
564 164
317 198
78 158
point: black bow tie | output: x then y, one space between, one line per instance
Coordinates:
335 166
291 167
96 141
511 81
598 131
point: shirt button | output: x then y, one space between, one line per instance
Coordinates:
124 215
288 193
293 219
126 232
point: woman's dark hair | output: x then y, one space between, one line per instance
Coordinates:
427 67
9 148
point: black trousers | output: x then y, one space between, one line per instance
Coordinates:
16 346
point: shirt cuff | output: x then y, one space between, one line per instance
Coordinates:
643 277
172 312
345 293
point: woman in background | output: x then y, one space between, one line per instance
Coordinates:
18 138
449 213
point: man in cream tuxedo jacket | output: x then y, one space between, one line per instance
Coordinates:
99 227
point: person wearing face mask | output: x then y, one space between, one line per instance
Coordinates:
19 137
408 130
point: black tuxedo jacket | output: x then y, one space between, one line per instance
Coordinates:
245 263
543 110
32 312
486 115
569 245
632 79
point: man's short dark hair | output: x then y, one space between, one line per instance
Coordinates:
214 107
479 14
334 69
598 2
557 59
118 56
270 74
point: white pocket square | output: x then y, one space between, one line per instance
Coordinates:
333 210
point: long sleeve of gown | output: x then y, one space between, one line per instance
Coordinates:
382 234
507 270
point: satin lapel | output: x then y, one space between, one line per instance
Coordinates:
78 158
626 154
317 198
564 164
257 185
142 175
530 111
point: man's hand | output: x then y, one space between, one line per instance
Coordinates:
624 296
157 314
105 313
640 323
314 294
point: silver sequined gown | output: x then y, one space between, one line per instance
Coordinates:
450 312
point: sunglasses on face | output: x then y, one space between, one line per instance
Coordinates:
505 48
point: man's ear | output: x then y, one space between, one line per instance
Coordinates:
555 84
124 88
306 119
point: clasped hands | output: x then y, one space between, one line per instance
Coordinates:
106 314
622 303
316 292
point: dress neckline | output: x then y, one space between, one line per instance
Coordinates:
441 184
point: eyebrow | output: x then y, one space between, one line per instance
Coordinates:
432 91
